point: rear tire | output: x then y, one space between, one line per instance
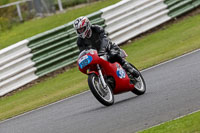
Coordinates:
140 87
104 96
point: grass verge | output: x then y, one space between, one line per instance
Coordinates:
35 26
172 41
187 124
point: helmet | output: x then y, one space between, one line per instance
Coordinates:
83 27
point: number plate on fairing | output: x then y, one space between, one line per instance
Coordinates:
84 61
120 72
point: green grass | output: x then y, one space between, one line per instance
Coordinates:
35 26
168 43
187 124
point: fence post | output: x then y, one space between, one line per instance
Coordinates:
19 12
60 5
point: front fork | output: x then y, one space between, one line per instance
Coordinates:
101 77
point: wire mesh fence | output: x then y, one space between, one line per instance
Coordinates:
19 11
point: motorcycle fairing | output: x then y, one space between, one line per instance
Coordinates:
84 61
121 84
122 81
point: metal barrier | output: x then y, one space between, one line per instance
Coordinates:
178 7
34 57
131 18
16 67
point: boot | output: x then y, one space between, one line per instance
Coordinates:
131 69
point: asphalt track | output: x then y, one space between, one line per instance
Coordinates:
173 90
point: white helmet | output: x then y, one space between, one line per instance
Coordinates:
83 27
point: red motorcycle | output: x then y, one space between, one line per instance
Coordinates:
106 79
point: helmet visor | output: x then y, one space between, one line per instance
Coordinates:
81 30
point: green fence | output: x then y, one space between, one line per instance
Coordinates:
178 7
57 48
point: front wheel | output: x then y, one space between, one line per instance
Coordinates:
140 85
103 95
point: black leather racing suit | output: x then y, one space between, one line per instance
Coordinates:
103 45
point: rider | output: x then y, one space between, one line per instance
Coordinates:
94 36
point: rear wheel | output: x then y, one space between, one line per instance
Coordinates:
103 95
140 85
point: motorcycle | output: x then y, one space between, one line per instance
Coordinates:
107 79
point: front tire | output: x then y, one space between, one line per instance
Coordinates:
104 96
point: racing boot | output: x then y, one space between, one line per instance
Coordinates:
131 69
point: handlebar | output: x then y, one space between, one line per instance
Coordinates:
86 51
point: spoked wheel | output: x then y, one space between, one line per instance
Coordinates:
103 95
140 85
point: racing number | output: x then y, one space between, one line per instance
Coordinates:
84 63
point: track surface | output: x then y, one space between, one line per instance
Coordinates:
173 90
